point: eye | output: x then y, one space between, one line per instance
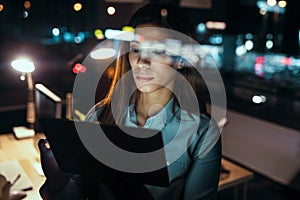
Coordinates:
135 50
159 52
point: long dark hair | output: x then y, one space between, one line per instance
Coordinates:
175 19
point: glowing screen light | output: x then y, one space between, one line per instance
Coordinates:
23 65
103 53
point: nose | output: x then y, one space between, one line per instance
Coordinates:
143 63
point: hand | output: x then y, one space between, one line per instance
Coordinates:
56 179
17 195
6 194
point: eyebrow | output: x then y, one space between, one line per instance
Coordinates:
135 42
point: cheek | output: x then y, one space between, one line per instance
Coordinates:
165 74
132 61
163 60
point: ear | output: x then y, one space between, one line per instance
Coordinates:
179 63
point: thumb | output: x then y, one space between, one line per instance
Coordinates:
6 190
42 145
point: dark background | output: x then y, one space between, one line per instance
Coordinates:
54 60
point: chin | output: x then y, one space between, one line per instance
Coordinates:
147 88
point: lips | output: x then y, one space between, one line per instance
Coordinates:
144 78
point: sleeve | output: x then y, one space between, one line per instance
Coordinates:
72 190
203 176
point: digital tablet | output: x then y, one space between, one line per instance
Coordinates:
72 155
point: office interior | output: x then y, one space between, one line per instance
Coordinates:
255 45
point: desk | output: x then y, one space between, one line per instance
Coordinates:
237 176
25 151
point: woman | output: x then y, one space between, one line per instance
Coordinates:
158 101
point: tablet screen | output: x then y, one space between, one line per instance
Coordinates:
73 157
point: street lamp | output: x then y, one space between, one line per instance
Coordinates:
25 66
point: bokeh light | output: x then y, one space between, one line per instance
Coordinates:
103 53
99 34
128 28
77 7
23 65
111 10
55 31
282 4
1 7
27 5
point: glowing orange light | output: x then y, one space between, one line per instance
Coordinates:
110 72
27 4
216 25
1 7
77 6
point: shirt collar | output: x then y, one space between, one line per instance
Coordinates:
157 121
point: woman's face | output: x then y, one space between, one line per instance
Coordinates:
152 68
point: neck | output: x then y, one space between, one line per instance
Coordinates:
151 103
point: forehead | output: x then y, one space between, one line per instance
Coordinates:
154 33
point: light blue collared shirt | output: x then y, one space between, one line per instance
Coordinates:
187 136
192 149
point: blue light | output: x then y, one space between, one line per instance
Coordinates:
216 39
201 28
261 4
68 37
81 35
55 32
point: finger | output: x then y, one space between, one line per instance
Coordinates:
5 190
42 145
17 195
